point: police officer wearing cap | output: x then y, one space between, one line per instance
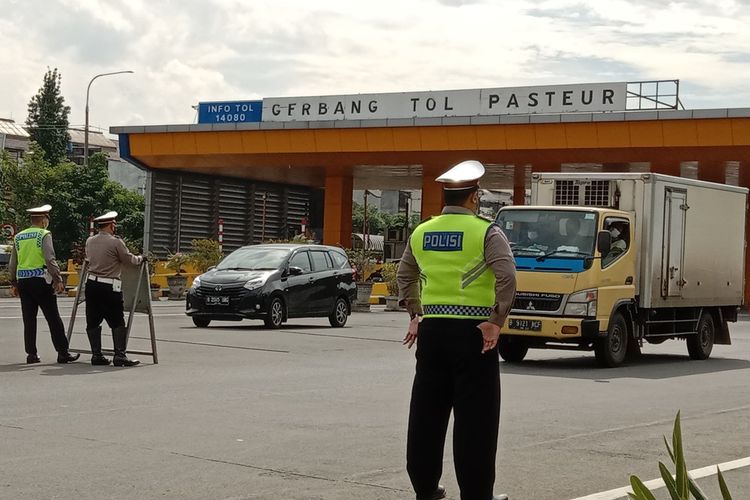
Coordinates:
457 280
106 254
37 277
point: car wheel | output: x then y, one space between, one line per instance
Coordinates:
701 344
340 313
201 322
275 315
511 349
611 350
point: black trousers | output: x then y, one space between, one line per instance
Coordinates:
103 304
453 374
35 293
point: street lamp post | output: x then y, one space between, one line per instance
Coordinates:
86 125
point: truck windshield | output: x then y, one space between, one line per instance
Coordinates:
549 234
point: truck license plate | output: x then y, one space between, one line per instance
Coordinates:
533 325
218 300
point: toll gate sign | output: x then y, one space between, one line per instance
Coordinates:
230 112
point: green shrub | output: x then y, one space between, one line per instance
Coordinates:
680 486
4 278
389 271
204 254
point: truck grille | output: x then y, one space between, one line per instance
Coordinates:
596 194
586 193
223 290
566 192
533 301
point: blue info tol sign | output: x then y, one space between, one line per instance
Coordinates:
230 112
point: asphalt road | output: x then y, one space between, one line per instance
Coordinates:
235 411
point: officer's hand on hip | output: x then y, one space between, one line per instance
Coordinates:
411 333
490 333
59 287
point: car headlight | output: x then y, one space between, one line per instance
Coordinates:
582 303
254 284
196 282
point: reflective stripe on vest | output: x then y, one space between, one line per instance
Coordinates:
29 252
456 282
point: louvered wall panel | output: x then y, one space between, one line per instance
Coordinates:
188 206
298 207
269 219
164 213
235 207
196 220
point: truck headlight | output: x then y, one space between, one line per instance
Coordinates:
196 283
582 303
254 284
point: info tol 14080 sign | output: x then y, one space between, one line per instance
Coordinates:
230 112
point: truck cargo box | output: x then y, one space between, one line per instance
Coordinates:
690 235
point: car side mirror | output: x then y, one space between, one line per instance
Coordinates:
603 242
295 271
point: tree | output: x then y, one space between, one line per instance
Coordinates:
48 118
375 221
379 222
75 193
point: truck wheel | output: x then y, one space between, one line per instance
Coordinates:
511 349
275 315
611 350
701 344
201 322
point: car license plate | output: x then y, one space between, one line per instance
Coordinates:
533 325
218 300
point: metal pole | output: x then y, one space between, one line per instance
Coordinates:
364 225
86 123
81 280
135 301
263 220
152 331
221 235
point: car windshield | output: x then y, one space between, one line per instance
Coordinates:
255 259
549 233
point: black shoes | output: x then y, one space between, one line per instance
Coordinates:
439 493
33 358
120 340
122 360
99 360
67 358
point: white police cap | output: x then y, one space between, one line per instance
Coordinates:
465 175
43 210
106 218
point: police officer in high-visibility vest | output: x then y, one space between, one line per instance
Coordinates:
457 280
37 277
106 254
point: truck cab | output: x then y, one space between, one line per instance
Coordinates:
575 266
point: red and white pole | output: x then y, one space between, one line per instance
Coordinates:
221 235
91 226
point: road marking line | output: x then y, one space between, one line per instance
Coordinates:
710 470
137 316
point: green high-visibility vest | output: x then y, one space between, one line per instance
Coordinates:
456 282
29 252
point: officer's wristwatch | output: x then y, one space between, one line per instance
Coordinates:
414 315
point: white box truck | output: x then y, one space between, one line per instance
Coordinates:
609 261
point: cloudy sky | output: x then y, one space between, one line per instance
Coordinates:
186 51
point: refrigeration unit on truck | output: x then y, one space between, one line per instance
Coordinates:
608 262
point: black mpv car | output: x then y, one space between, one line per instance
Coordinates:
275 283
